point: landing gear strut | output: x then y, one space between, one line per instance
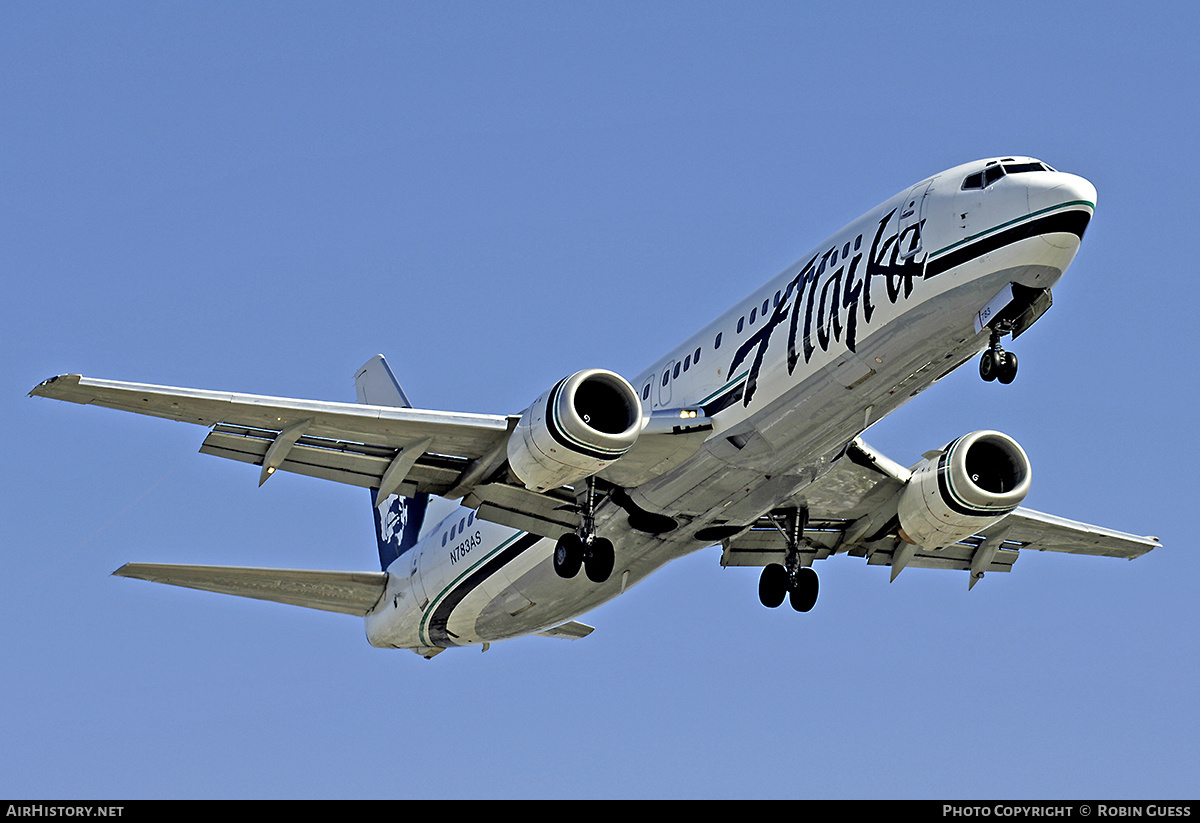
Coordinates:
583 547
798 583
996 363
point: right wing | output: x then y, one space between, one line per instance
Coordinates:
391 449
425 451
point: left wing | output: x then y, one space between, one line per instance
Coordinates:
853 510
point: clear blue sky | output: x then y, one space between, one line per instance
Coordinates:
259 197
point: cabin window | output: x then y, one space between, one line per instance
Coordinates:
857 242
687 362
846 249
741 324
696 356
717 342
646 392
676 370
753 314
666 376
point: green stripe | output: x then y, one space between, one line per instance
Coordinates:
722 390
430 607
995 229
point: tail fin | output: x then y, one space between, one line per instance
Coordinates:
398 520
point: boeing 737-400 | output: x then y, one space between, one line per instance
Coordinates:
747 435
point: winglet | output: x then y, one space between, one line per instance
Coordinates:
57 386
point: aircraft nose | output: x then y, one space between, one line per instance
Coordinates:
1050 189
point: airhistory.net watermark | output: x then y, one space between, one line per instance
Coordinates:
48 810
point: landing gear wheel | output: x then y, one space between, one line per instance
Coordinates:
772 585
568 555
802 594
991 365
1008 368
598 560
996 363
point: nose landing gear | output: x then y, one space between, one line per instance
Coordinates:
798 583
996 363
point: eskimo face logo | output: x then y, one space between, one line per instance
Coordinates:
393 517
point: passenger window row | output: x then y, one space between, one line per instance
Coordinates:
694 358
458 529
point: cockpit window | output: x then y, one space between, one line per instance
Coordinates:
1017 168
995 170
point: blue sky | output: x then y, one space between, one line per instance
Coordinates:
259 197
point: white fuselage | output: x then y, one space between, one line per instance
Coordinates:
864 322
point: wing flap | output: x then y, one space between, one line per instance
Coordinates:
356 464
957 557
763 544
548 514
332 591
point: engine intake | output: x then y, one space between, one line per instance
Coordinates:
974 482
575 429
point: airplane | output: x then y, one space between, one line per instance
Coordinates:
747 436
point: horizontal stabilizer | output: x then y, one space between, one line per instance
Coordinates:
346 592
570 631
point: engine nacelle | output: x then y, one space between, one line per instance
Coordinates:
574 430
975 481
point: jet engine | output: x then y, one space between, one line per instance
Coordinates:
575 429
970 484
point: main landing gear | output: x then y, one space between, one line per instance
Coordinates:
996 363
798 583
583 547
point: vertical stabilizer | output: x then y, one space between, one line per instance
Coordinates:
398 520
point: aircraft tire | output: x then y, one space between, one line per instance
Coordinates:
598 564
772 585
990 365
803 594
1008 368
568 556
